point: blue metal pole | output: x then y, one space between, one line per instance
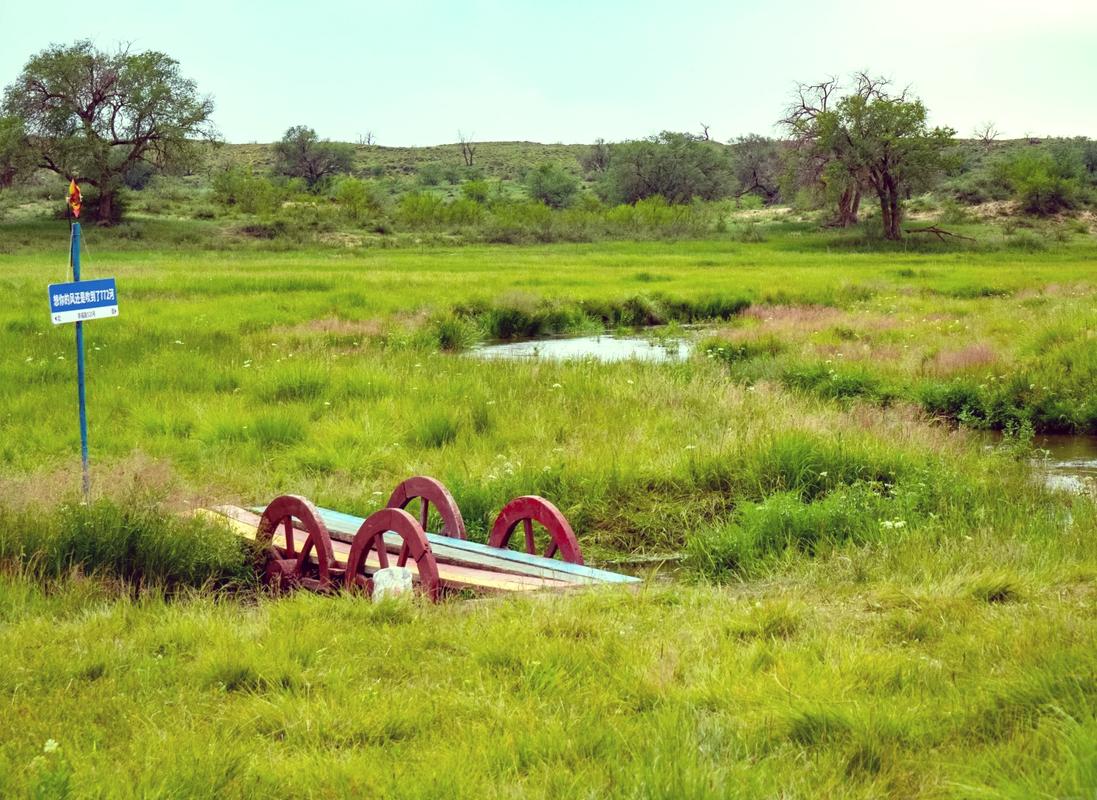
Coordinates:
74 255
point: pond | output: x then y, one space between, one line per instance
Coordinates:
604 347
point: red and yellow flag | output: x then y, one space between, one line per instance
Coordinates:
74 198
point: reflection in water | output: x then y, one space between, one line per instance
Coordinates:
599 348
1069 462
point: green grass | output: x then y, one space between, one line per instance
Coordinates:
873 603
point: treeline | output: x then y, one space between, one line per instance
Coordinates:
118 120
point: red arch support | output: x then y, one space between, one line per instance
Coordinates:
529 509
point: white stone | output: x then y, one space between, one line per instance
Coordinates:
391 582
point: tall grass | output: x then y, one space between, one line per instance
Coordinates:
132 542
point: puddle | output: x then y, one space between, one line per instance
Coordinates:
1071 463
1063 462
605 347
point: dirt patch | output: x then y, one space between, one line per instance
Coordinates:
334 326
135 478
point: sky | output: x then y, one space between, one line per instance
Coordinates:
417 72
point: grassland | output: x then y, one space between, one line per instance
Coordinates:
872 604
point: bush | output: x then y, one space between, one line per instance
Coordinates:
430 174
476 191
551 185
239 187
358 199
1042 183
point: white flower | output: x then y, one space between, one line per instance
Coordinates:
556 386
178 342
51 746
823 474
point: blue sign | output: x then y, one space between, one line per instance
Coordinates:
83 300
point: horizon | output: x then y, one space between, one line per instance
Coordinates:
503 73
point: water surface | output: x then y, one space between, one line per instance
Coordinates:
604 347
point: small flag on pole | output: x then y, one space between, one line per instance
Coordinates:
74 198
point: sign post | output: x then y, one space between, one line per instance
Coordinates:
78 302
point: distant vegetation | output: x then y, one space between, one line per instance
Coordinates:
142 158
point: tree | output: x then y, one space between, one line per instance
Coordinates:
879 138
552 185
468 148
756 166
823 163
301 154
16 157
94 115
986 134
596 158
676 166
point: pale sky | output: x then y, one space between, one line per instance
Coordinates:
418 71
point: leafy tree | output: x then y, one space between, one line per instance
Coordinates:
301 154
879 138
16 157
757 167
552 185
95 115
677 166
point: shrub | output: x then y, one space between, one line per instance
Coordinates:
358 199
1042 183
241 188
551 185
430 174
476 191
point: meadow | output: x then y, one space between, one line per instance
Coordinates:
866 601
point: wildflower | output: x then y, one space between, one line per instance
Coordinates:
51 746
178 342
556 386
823 474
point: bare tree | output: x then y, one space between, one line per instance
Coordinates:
468 147
367 138
596 159
816 163
704 132
987 133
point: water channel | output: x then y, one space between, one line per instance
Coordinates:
1067 463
